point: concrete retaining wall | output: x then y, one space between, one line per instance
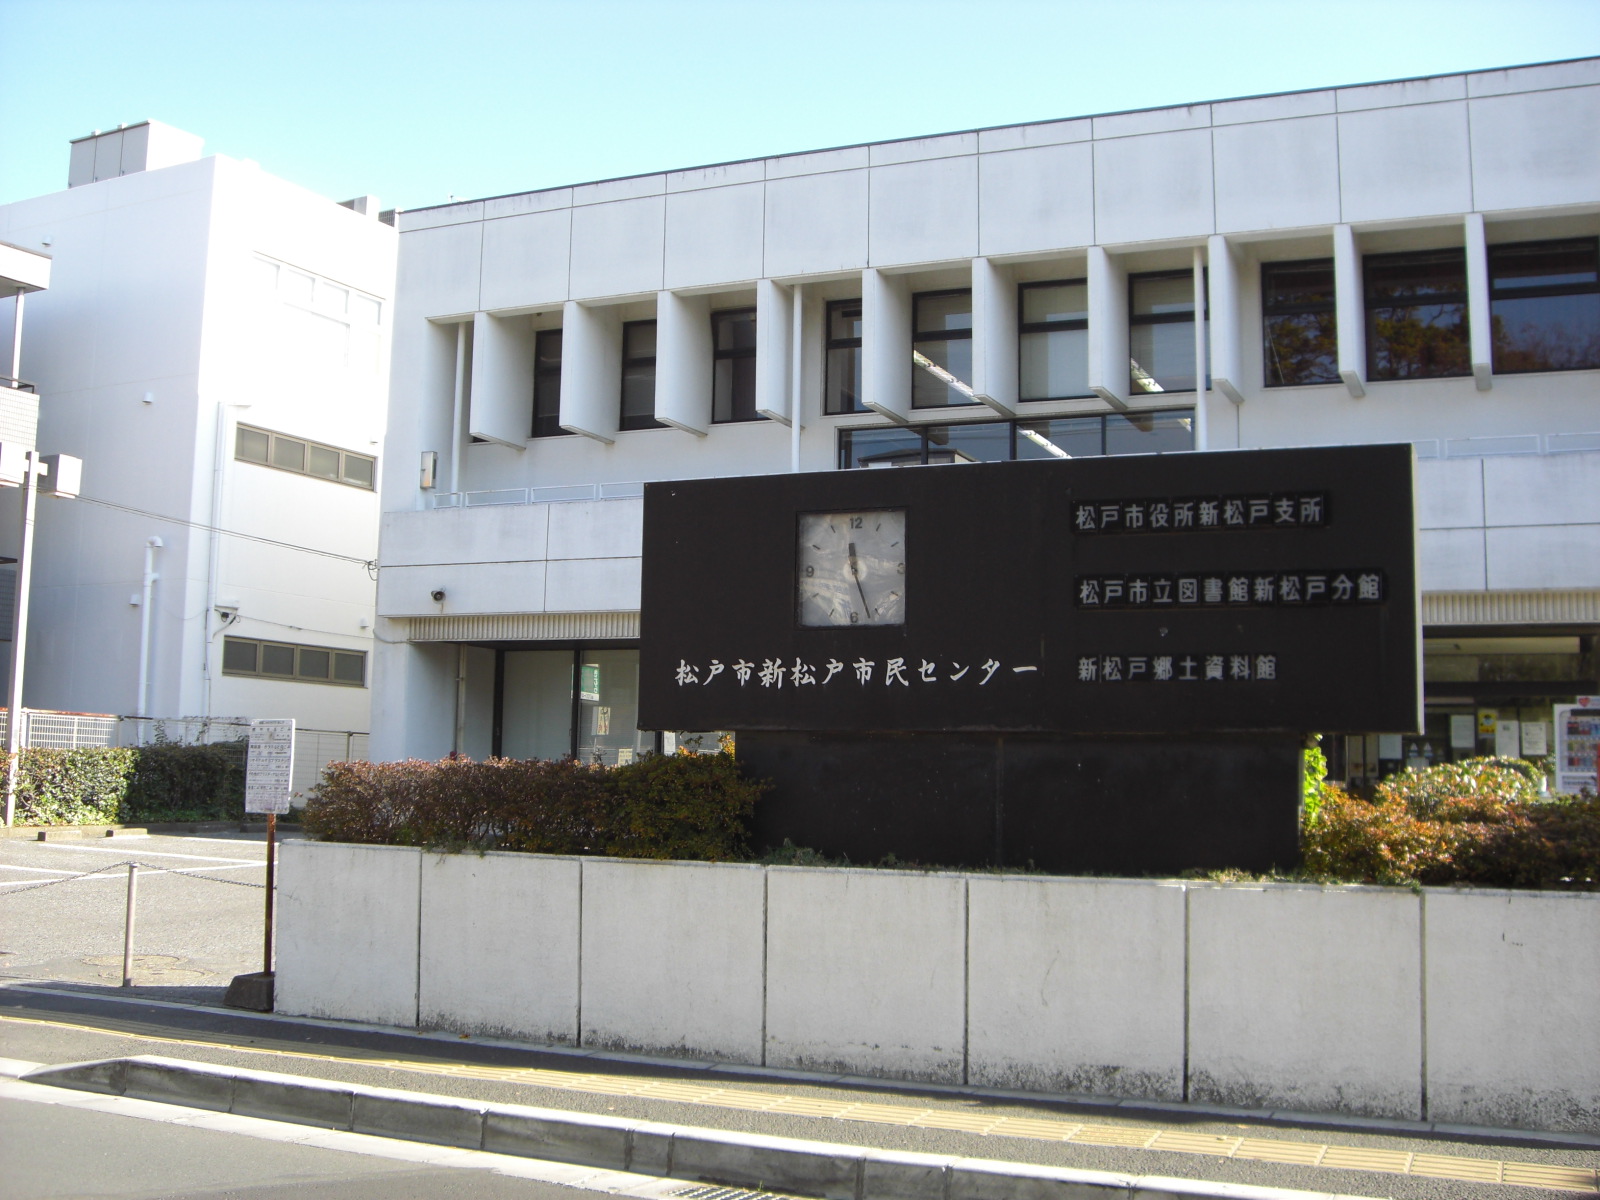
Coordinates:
1457 1006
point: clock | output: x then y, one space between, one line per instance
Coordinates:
851 568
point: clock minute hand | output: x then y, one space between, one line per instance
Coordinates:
855 572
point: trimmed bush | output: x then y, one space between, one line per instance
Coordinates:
111 785
1480 822
674 806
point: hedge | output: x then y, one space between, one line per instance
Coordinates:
1482 821
117 785
662 806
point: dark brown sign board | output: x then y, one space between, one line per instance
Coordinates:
1187 594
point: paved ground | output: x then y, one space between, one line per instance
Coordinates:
60 965
198 919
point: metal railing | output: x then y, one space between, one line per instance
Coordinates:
555 494
18 385
1516 443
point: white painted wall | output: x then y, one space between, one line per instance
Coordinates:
159 320
1450 1005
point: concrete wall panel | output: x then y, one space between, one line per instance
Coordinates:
525 260
672 958
617 247
1076 985
816 223
499 945
1545 489
1535 149
508 587
1036 199
1543 556
596 529
865 972
925 211
1153 187
1451 560
496 533
1450 493
1404 162
1277 174
347 932
592 585
440 269
714 235
1514 1008
1306 998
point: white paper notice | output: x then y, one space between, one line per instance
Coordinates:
269 770
1463 731
1535 739
1389 745
1507 738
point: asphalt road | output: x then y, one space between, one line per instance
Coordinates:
198 917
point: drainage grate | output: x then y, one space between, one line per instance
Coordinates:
702 1192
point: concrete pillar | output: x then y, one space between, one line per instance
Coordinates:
1350 310
684 362
994 336
886 344
1226 359
1480 323
502 380
1108 328
774 350
591 370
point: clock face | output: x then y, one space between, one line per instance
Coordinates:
851 568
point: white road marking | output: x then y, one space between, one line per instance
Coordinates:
71 876
152 853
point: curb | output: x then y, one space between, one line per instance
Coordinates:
56 833
835 1172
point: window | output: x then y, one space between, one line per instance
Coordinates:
304 457
1416 314
1161 332
941 348
1299 338
1010 441
303 664
733 389
1545 305
547 384
1053 339
843 394
639 376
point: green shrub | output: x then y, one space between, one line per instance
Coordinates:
1480 822
110 785
676 806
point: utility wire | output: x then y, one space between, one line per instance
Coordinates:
368 563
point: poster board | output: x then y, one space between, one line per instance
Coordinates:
269 768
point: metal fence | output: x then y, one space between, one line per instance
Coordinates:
313 748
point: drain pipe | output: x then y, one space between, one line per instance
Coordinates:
151 545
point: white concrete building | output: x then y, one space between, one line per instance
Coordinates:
1411 261
214 347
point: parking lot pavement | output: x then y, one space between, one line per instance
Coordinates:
197 920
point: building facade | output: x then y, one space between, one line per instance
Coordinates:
1399 262
215 349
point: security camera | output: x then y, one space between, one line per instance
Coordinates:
437 594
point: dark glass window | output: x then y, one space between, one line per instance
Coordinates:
941 348
733 389
304 458
843 388
254 445
239 655
1545 305
312 664
1299 339
289 453
639 376
1161 332
1416 314
1002 441
547 383
1053 339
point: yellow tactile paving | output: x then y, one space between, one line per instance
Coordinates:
1314 1154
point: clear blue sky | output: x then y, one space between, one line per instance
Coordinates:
419 100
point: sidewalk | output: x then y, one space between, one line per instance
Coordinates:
847 1139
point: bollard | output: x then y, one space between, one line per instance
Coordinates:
127 933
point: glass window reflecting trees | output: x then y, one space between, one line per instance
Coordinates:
1161 332
1416 314
547 384
639 376
1545 305
843 386
941 348
1299 335
1007 441
733 389
1053 339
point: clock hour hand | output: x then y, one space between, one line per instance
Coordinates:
855 572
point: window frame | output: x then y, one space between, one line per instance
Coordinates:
922 429
1025 327
637 420
918 337
296 648
1540 292
741 413
308 445
546 415
1268 311
829 345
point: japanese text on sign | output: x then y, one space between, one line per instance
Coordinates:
269 767
1285 510
1255 588
775 672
